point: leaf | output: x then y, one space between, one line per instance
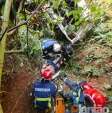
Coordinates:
76 1
56 3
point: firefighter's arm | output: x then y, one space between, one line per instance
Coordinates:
68 94
70 83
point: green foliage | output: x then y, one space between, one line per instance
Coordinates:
97 12
103 34
56 3
76 68
77 16
90 58
45 26
30 42
72 66
92 71
29 39
76 13
70 28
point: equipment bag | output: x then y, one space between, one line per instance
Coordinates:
60 106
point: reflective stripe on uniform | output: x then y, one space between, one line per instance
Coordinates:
44 99
42 89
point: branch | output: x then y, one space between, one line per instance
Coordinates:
25 22
54 17
11 32
14 51
82 32
21 5
3 34
78 35
19 25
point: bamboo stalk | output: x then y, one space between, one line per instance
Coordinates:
6 15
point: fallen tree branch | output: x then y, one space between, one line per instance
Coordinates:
82 32
18 25
54 17
3 34
79 34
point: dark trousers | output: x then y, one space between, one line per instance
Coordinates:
44 111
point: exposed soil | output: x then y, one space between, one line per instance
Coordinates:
16 98
17 79
16 82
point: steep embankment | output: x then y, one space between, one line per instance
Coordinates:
93 56
92 61
19 74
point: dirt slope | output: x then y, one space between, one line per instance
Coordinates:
17 99
90 58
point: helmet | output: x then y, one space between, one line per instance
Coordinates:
46 43
56 47
46 74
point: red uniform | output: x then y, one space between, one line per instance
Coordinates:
98 99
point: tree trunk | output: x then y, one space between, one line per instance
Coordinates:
6 16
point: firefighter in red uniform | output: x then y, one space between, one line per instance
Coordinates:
95 96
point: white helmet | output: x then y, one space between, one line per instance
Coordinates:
56 47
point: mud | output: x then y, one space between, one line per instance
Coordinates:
16 98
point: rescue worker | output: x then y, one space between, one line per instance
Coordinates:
75 95
51 66
94 99
95 96
44 92
52 49
83 93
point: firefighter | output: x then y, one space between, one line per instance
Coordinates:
96 98
52 49
76 92
44 92
75 95
51 66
